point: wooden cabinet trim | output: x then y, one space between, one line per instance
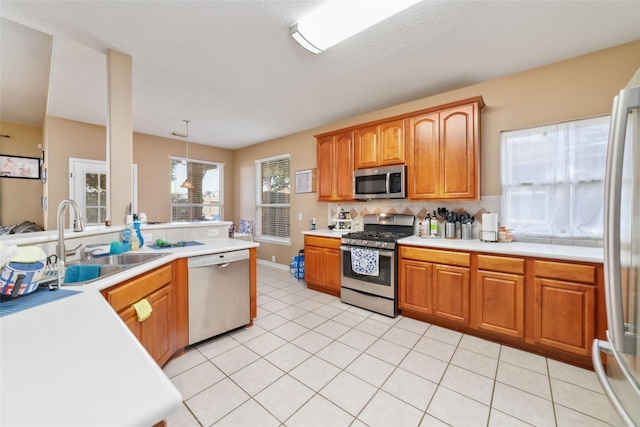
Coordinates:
135 289
501 264
461 259
564 271
323 242
473 100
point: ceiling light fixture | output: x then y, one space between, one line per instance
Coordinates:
187 184
335 21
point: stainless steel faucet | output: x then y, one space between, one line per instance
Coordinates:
78 225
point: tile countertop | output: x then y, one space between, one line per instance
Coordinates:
73 362
536 250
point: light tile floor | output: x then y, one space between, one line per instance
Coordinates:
311 360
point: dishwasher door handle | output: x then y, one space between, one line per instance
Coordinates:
226 264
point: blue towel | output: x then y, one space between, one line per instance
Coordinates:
365 261
81 273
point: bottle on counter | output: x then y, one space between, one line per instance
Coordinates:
433 226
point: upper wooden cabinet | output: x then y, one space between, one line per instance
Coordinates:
379 145
439 145
335 167
444 153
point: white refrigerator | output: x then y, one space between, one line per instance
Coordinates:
621 378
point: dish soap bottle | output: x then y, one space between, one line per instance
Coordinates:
433 226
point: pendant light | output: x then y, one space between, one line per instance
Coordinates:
187 184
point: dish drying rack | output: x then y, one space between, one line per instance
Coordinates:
53 275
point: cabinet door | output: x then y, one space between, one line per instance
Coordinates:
366 147
391 147
564 315
500 303
313 265
343 167
155 333
157 329
325 168
423 152
415 288
130 318
458 153
332 274
451 293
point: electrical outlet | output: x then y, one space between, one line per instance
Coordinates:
300 216
273 258
214 232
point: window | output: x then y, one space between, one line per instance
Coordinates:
205 201
273 195
553 179
88 187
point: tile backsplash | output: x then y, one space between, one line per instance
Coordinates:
419 209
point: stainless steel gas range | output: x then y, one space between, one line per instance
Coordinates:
369 262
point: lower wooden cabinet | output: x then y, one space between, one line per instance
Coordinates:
565 306
322 264
427 286
550 307
156 333
500 295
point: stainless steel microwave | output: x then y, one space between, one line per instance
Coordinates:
387 182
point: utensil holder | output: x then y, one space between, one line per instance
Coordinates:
449 230
466 231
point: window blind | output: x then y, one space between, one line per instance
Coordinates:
553 179
273 196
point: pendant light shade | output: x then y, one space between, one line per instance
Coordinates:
187 184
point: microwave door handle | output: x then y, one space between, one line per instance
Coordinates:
388 182
622 104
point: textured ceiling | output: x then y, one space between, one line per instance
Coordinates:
233 70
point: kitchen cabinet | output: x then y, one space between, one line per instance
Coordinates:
565 306
322 264
444 152
500 295
555 308
434 282
335 167
379 145
157 333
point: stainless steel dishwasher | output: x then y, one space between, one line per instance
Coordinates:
218 294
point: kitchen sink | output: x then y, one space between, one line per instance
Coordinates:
112 264
125 259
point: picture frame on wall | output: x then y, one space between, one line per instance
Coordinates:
306 181
19 167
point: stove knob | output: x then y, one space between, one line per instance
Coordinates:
378 244
365 243
384 245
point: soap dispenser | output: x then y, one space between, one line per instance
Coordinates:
136 226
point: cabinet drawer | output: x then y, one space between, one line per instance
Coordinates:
440 257
563 271
501 264
134 290
323 242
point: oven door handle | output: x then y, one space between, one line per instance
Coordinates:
387 254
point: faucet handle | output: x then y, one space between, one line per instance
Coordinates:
73 251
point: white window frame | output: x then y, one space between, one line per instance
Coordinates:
552 179
175 186
259 236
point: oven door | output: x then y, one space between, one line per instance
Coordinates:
382 285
